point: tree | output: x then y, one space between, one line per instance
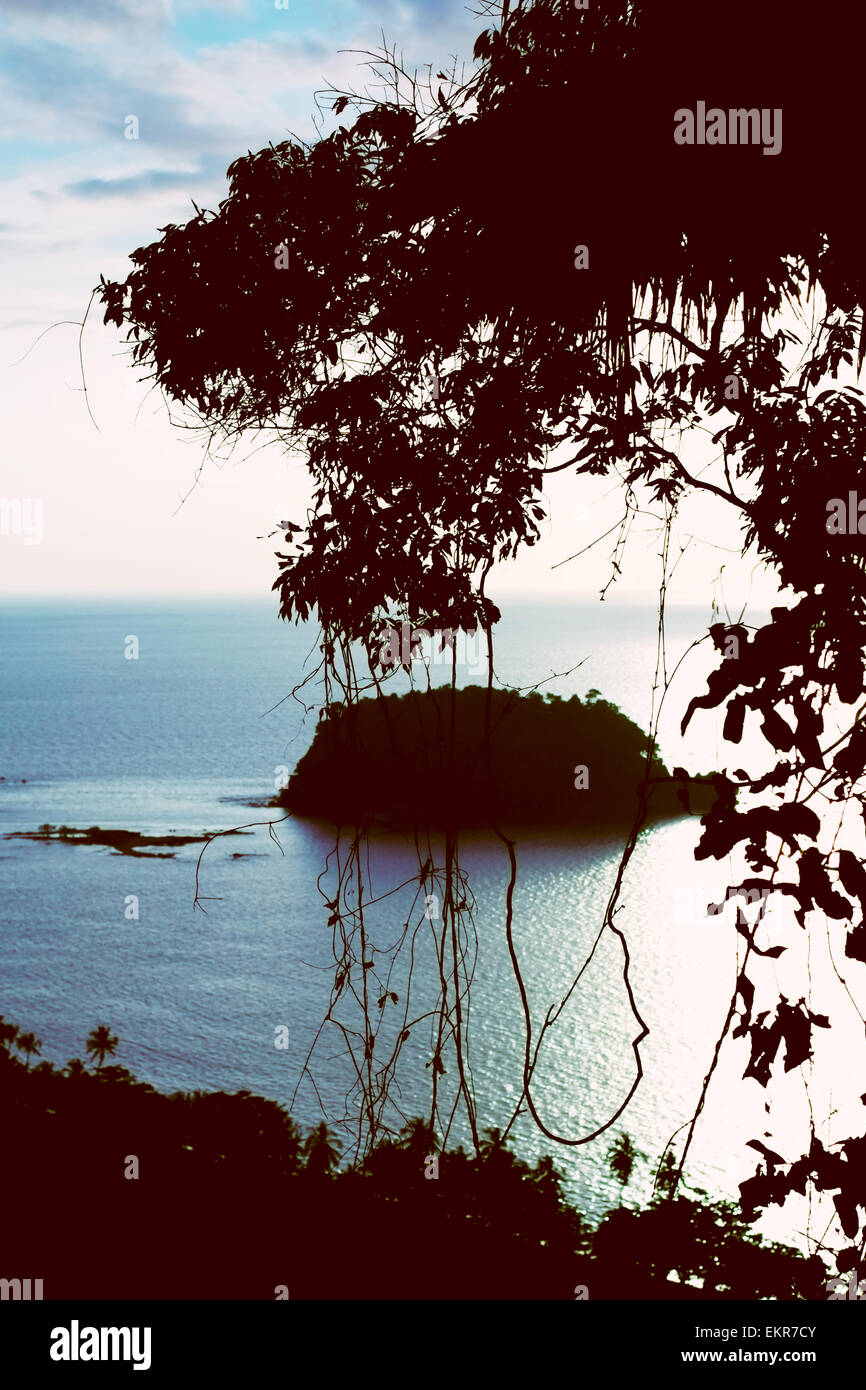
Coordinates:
321 1151
120 1076
632 318
418 1139
8 1034
621 1158
101 1043
29 1044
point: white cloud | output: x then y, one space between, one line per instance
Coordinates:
219 6
81 197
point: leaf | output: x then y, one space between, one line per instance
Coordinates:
734 717
777 732
855 945
852 876
772 1158
792 1027
847 1212
746 990
482 44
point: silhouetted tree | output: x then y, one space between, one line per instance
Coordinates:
418 1138
621 1158
635 314
29 1044
225 1196
321 1152
101 1043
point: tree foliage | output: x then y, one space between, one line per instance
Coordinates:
231 1200
393 757
431 238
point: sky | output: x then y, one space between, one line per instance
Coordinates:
102 495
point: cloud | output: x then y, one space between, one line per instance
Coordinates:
148 181
58 95
221 6
207 79
423 15
87 18
243 94
100 10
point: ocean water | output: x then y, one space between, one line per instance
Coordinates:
194 736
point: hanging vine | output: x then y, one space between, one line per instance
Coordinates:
398 236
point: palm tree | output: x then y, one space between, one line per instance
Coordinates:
30 1045
101 1043
8 1033
621 1158
419 1138
494 1152
547 1178
75 1068
666 1175
322 1151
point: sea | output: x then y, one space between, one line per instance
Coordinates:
215 967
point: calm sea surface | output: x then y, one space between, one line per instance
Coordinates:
193 736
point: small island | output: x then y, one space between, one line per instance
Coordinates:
553 763
129 842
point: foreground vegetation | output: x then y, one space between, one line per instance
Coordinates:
227 1198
